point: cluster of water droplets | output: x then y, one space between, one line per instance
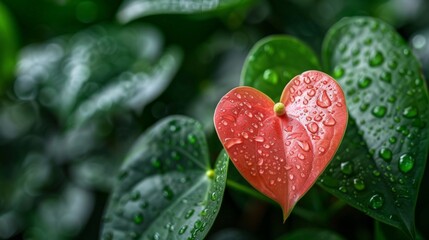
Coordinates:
174 160
383 114
314 102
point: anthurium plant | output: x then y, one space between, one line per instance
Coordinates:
213 119
289 126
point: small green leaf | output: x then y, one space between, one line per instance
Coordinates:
274 61
311 233
166 189
132 89
381 161
8 47
133 9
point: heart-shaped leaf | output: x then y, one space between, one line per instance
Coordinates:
166 189
274 61
133 9
282 151
380 164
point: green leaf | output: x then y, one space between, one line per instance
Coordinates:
380 164
311 233
97 69
133 9
62 215
132 89
274 61
166 189
8 48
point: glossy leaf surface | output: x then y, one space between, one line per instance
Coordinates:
274 61
166 189
132 9
282 155
380 164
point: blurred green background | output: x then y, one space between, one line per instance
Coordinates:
56 170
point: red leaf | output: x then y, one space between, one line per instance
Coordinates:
283 154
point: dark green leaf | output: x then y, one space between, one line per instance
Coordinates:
132 89
61 216
379 166
274 61
96 69
166 189
8 47
311 234
133 9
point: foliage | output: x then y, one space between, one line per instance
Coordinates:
98 101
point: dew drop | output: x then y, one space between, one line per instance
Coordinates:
330 121
364 82
386 154
192 139
266 145
245 135
167 193
182 230
301 156
259 139
260 161
376 201
379 111
230 142
392 64
291 176
213 197
376 59
406 163
313 127
311 92
174 128
304 146
323 100
386 77
249 114
358 184
338 72
270 76
376 173
268 49
138 218
347 168
410 112
189 213
392 140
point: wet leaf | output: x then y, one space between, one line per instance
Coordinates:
133 9
274 61
381 161
166 189
96 69
132 89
